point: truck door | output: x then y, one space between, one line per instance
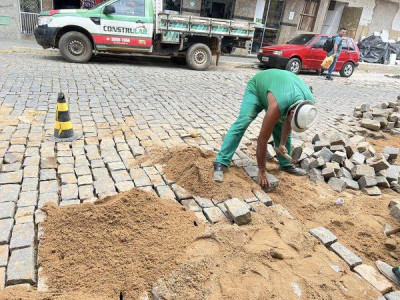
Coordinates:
129 26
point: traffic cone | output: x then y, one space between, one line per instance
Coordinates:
63 129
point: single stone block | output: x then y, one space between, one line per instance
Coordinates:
339 157
6 226
21 268
351 184
191 205
280 210
324 235
140 177
124 186
120 176
345 173
305 164
395 212
328 173
49 186
203 202
367 181
263 197
28 199
69 192
104 186
393 296
321 144
83 170
251 170
238 211
365 108
317 162
340 148
23 235
11 177
180 192
165 192
7 210
372 191
392 152
48 174
3 255
47 198
349 257
214 214
337 184
362 170
374 278
11 167
357 158
393 173
316 178
31 171
65 168
48 163
370 124
200 216
326 154
380 165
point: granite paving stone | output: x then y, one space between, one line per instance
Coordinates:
22 266
22 236
50 186
30 184
7 210
6 226
9 192
4 252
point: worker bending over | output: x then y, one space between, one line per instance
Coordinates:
289 104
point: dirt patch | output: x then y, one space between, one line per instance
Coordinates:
192 168
122 244
358 223
272 258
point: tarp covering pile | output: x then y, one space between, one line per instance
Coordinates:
374 50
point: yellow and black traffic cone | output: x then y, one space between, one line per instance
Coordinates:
63 129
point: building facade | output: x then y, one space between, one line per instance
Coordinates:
277 21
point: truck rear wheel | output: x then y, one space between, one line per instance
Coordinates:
198 57
75 47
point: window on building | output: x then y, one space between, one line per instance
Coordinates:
308 15
173 5
273 13
332 5
129 7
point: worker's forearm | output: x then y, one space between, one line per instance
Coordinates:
286 128
262 150
335 49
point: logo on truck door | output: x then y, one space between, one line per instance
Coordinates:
128 26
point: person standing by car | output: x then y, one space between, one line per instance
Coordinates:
337 48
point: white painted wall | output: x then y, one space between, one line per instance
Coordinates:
259 9
332 19
368 11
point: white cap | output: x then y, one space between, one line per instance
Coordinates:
304 116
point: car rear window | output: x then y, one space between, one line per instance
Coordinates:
302 39
345 45
351 45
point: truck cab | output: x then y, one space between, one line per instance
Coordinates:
132 26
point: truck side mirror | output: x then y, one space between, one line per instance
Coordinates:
109 9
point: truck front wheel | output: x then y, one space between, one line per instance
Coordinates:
198 57
75 47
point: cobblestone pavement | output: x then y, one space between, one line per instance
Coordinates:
120 106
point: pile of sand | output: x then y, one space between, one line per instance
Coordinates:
192 168
122 244
272 258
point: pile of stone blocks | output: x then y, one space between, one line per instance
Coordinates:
372 121
349 162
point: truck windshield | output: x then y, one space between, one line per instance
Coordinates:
302 39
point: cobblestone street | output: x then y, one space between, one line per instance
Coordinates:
121 107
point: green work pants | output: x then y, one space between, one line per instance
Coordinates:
250 108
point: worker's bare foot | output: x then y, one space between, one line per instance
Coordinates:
294 171
219 172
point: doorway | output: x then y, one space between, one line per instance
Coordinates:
66 4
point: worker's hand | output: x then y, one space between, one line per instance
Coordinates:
282 149
263 179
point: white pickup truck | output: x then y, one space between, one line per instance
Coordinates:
131 26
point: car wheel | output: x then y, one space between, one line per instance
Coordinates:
75 47
294 65
347 69
198 57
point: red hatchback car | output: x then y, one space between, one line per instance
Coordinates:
305 52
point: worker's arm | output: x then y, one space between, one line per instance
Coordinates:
271 117
286 129
335 47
